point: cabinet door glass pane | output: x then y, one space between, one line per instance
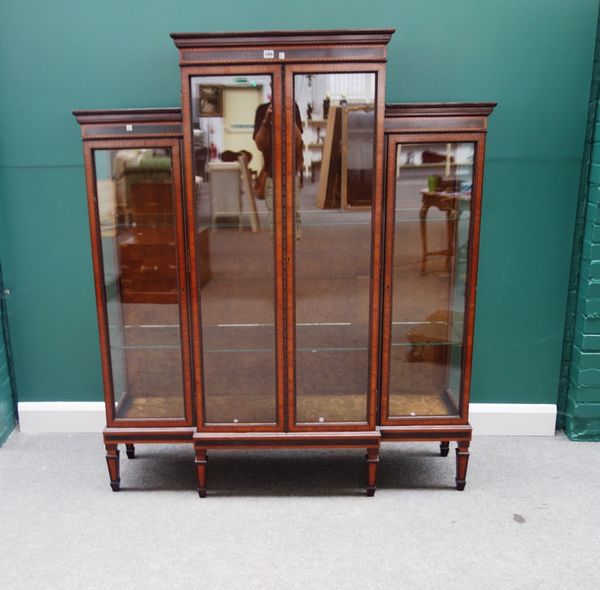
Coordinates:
137 228
234 223
335 126
431 239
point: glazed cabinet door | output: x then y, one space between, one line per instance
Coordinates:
433 191
334 141
136 218
235 234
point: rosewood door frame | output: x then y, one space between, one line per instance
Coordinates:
378 68
393 139
187 72
143 142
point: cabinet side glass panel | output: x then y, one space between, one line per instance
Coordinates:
431 241
334 146
233 171
137 228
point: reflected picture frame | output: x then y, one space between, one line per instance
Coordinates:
210 101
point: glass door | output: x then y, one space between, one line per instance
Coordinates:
430 185
237 231
137 224
331 132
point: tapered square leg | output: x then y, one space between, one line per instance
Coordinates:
372 461
462 461
423 217
444 448
130 449
201 460
112 460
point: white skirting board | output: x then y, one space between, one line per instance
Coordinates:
513 419
500 419
36 417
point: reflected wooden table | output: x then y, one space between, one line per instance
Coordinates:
449 203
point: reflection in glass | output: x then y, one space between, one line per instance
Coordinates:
334 192
233 163
432 217
137 227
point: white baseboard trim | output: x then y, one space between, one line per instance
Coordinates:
486 419
37 417
513 419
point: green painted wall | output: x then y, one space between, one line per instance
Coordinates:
579 394
8 416
7 411
533 56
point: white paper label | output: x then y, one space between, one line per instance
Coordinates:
269 54
282 55
128 127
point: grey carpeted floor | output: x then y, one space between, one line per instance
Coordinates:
529 518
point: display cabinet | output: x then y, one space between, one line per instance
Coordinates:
286 332
133 174
434 173
285 262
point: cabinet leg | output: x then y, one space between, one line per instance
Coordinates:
444 448
201 460
462 460
423 224
450 222
130 450
372 461
112 460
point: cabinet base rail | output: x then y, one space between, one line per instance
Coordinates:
369 440
203 442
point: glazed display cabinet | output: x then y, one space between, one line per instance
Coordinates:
133 174
434 177
286 262
286 332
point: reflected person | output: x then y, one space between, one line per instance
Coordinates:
262 136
